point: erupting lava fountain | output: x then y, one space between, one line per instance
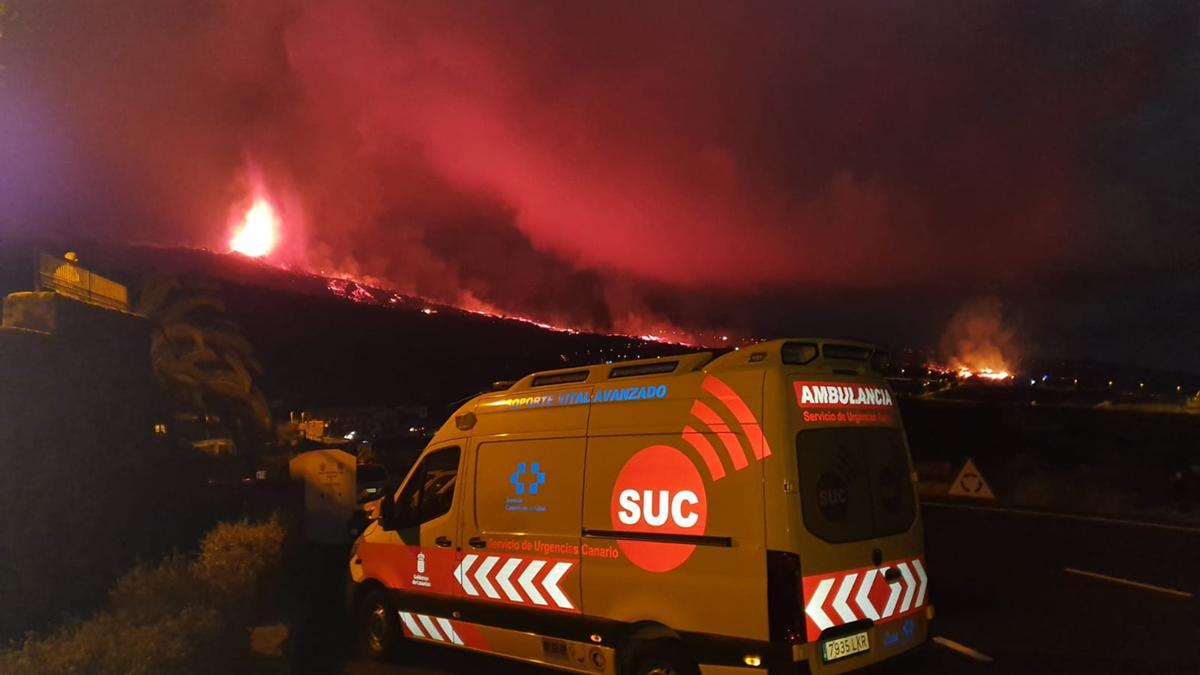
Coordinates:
259 231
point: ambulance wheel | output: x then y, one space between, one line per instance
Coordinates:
380 626
660 657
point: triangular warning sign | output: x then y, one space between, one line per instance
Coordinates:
970 483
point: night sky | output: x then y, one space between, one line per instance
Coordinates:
860 169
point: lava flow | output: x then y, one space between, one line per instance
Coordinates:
258 233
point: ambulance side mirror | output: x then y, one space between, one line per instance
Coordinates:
387 510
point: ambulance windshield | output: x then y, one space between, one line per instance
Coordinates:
854 483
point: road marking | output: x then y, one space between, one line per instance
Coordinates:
962 649
1128 582
1064 516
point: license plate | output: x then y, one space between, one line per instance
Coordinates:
832 650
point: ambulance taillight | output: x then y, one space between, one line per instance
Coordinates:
785 606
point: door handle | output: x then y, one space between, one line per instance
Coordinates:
476 542
443 542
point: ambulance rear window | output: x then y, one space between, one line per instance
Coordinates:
845 352
854 483
798 353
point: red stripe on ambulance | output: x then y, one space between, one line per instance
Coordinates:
741 412
733 447
705 449
708 420
865 593
438 629
515 580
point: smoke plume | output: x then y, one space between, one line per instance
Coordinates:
980 338
599 165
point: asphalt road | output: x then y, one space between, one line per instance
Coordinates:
1019 593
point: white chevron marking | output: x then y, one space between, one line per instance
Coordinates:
430 628
839 600
911 586
864 602
526 581
892 598
502 579
448 631
920 569
550 583
481 575
461 571
814 611
411 625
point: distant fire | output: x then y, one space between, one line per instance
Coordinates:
978 343
258 233
984 373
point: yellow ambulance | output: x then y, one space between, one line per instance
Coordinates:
689 514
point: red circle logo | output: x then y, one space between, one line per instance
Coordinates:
658 491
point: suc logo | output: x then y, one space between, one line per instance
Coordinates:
659 491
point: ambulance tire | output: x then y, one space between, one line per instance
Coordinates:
659 657
379 627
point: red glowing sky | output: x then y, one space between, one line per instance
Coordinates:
626 166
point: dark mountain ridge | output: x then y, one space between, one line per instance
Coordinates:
324 341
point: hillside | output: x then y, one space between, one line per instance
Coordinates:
330 342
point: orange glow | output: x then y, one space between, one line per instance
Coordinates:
258 233
345 286
984 373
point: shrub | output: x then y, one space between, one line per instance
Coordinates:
233 557
149 593
178 616
107 644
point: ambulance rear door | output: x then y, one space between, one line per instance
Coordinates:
858 534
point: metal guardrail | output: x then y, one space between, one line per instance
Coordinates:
70 280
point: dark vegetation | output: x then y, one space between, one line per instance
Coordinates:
86 489
182 614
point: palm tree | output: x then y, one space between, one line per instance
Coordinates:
201 357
